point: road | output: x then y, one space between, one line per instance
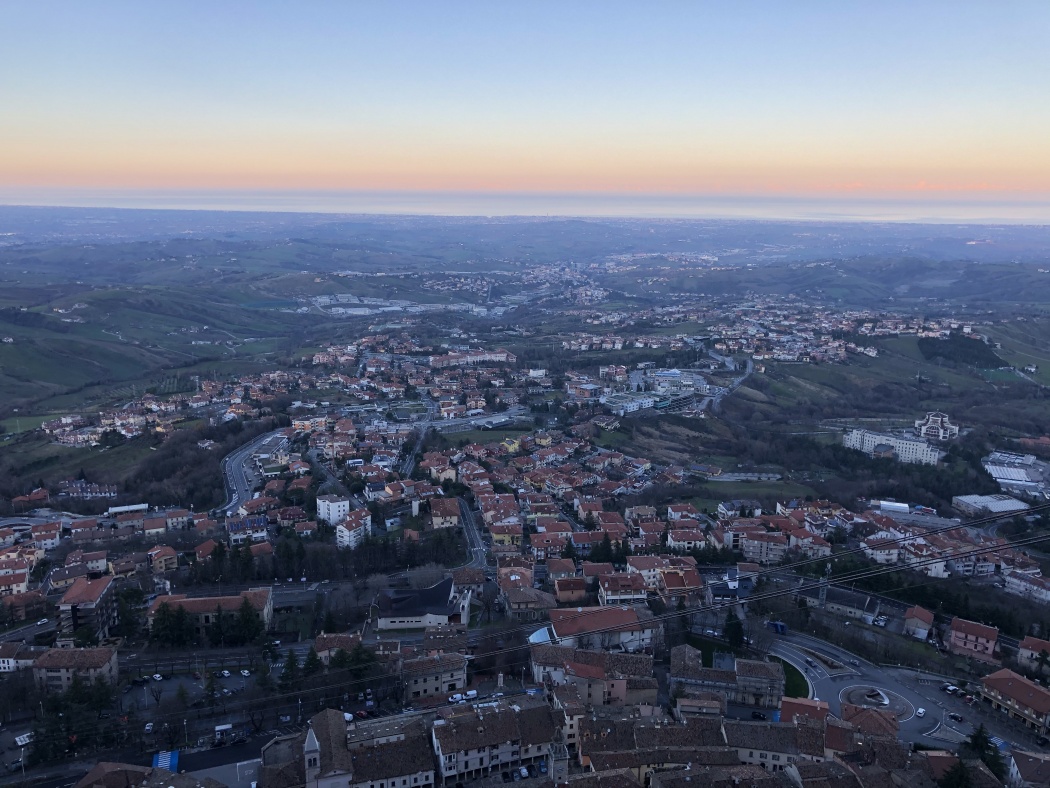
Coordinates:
240 484
907 690
478 551
409 463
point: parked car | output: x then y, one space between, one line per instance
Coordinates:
516 775
955 717
245 672
523 772
757 715
158 677
920 712
543 767
149 727
226 674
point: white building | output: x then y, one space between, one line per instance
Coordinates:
332 508
353 529
936 426
910 450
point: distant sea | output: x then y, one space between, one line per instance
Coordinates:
846 209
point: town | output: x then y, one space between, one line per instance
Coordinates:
446 571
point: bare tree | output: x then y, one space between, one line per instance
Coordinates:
156 690
426 576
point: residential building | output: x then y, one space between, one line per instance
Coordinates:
202 610
971 639
332 509
18 656
327 644
444 513
337 751
354 529
917 622
54 670
479 741
621 588
600 677
436 675
1028 769
87 603
163 558
765 548
742 681
607 628
1029 651
1021 699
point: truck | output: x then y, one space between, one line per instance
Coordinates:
778 626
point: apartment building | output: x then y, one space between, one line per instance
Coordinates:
53 671
971 639
87 603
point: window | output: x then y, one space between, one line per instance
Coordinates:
776 757
761 755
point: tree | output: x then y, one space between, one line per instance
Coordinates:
290 672
210 691
85 637
734 629
157 691
569 551
329 624
312 665
182 696
1042 661
980 744
956 777
247 626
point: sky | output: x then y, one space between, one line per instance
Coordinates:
851 103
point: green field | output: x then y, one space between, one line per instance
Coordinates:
795 684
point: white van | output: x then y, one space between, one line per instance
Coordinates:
471 694
457 698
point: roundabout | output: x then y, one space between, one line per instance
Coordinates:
873 697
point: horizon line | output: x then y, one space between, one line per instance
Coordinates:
910 208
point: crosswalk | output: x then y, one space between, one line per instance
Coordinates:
167 760
999 743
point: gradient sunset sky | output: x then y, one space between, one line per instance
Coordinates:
789 99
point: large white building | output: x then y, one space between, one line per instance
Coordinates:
332 508
877 444
936 426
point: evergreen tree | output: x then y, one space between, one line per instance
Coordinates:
980 744
340 660
290 673
312 665
247 626
956 777
329 624
734 629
